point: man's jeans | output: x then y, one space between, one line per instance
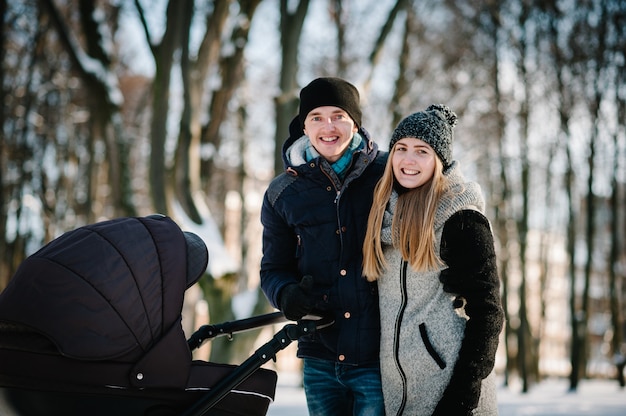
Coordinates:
334 389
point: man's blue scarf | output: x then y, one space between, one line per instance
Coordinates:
343 163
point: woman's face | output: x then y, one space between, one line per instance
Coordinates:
413 162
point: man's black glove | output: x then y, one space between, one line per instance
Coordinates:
296 299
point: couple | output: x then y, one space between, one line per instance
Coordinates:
348 228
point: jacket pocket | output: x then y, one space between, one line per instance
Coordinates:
429 347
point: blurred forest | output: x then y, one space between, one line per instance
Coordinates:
129 107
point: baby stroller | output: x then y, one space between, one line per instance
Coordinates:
91 325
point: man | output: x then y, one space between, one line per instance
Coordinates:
315 216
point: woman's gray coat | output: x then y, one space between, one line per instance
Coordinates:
440 329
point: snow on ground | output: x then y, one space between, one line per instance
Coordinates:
549 398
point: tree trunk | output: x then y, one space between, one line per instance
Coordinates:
287 102
402 84
613 265
376 54
4 194
590 242
182 177
571 249
501 189
618 245
565 105
163 54
104 107
526 342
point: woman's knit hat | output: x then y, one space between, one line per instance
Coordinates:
331 91
433 126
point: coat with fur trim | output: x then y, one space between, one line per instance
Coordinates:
440 329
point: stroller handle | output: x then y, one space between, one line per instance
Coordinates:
280 341
206 332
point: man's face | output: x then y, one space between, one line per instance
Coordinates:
330 130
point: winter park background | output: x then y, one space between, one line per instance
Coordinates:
117 108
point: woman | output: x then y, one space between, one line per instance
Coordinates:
431 251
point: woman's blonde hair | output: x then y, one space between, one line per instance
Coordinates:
412 227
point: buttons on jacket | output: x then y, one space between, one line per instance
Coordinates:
342 357
343 272
347 315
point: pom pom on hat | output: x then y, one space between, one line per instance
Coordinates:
330 91
433 126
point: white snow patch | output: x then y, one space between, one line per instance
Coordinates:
220 262
243 303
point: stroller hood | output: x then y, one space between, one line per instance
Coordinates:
91 324
77 292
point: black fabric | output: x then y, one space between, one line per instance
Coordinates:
47 385
160 403
429 346
197 257
76 290
296 299
93 321
467 248
330 91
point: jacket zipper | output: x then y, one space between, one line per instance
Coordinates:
339 226
336 201
396 335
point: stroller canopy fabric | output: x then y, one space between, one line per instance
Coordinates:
91 324
76 290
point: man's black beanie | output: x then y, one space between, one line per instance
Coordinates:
331 91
